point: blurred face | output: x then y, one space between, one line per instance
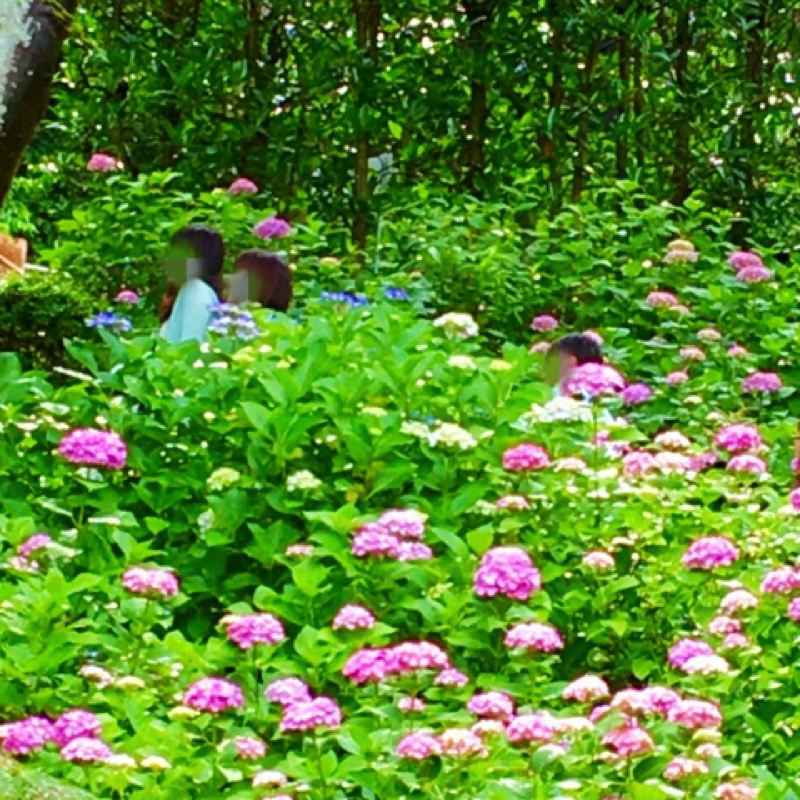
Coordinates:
182 265
244 287
558 367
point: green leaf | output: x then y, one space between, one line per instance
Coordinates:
480 540
396 130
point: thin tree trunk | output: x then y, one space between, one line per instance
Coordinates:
479 13
624 105
582 140
552 139
29 84
368 16
638 108
683 132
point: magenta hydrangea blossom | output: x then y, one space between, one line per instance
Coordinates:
629 740
766 382
374 540
75 724
249 630
86 751
353 617
594 380
371 664
544 322
710 552
723 625
586 689
321 712
272 228
248 747
738 600
411 705
213 695
39 541
531 728
686 649
738 438
410 657
677 378
662 299
90 447
741 259
753 275
534 636
102 162
636 393
781 581
286 691
243 186
128 296
794 499
794 609
747 462
404 523
418 746
638 463
157 582
495 705
737 351
23 737
507 571
451 677
525 458
694 714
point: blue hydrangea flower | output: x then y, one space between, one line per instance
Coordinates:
345 298
110 321
393 293
230 320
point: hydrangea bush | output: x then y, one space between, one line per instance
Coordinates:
366 555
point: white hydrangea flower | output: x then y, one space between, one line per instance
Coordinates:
303 481
206 520
222 479
559 409
457 325
451 435
418 429
462 362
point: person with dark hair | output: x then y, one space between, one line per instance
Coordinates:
194 272
573 350
262 278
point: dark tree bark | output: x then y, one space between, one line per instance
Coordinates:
683 131
582 139
638 108
551 144
368 16
624 104
30 83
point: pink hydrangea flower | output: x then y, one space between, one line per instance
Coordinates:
300 550
706 665
735 641
662 299
461 742
709 335
767 382
710 552
94 448
586 689
632 701
781 581
495 705
723 625
738 438
737 351
677 378
353 617
451 677
86 751
213 695
286 691
682 767
368 664
692 353
736 790
629 740
38 541
709 750
672 440
738 600
531 728
660 699
570 464
75 724
272 228
410 705
101 162
525 458
638 463
404 523
249 630
794 499
157 582
753 275
243 186
128 296
594 380
322 712
22 737
249 747
508 571
746 462
695 714
697 463
636 393
489 727
544 322
742 259
534 636
413 551
541 348
794 609
410 657
514 502
374 540
270 778
418 746
599 560
685 649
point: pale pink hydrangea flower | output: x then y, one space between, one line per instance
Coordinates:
677 378
489 727
570 464
242 186
410 657
794 609
710 552
737 351
418 746
629 740
102 162
508 571
742 259
544 322
694 714
572 725
632 701
321 712
249 630
735 641
697 463
269 778
86 751
22 737
636 393
738 438
736 790
300 550
586 689
738 600
753 275
706 665
38 541
451 677
496 705
458 742
127 296
673 440
594 380
248 747
413 551
531 728
213 695
709 750
155 582
534 636
638 463
662 299
709 335
660 699
514 502
681 767
723 625
94 448
75 724
685 649
409 705
767 382
286 691
404 523
599 560
525 458
667 461
781 581
353 617
692 353
374 539
746 462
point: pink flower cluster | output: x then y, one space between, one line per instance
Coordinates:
94 448
213 695
75 724
272 228
538 727
593 380
586 689
248 747
534 636
321 712
286 691
710 552
23 737
738 438
152 582
378 663
766 382
781 581
128 296
242 186
638 463
636 393
746 462
39 541
507 571
749 267
599 560
662 300
686 649
353 617
525 458
101 162
494 705
396 535
544 322
249 630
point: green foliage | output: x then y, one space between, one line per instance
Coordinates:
17 783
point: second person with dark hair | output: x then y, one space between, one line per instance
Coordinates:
262 278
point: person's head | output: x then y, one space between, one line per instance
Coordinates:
569 352
263 278
194 252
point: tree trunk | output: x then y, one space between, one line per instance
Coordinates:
683 132
551 143
624 105
638 108
582 139
479 14
30 81
368 16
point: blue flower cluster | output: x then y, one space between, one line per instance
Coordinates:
345 298
110 321
393 293
230 320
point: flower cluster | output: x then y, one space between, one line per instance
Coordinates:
396 534
94 448
110 321
507 571
230 320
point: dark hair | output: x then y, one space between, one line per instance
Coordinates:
207 245
273 276
583 348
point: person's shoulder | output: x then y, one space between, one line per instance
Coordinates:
198 290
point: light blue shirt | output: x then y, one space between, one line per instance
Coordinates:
191 313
